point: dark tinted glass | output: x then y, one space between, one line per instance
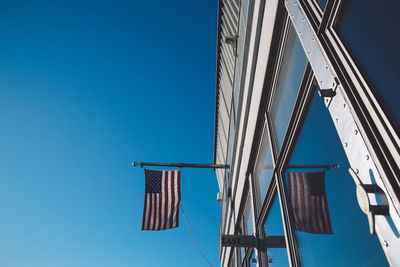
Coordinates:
370 31
351 244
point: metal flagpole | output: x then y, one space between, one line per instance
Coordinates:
328 167
226 166
183 165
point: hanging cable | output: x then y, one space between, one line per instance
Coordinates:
193 237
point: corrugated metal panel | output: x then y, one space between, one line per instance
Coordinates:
226 90
224 116
228 30
228 19
225 76
220 176
227 60
234 8
233 18
223 131
226 94
221 155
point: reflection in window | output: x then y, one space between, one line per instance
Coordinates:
253 256
274 226
350 244
290 76
370 31
322 3
264 169
248 218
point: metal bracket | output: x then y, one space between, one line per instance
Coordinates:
326 93
231 39
364 202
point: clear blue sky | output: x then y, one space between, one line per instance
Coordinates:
87 87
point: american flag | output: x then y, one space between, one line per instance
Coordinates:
308 199
162 199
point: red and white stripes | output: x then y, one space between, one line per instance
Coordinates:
310 210
161 210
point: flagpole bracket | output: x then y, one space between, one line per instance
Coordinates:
363 192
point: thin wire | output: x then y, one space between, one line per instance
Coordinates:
204 256
273 256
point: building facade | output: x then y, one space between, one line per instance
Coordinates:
309 88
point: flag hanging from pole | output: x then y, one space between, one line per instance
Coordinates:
308 199
162 199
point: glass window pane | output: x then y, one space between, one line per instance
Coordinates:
253 256
316 205
370 32
263 170
322 3
274 226
248 218
290 76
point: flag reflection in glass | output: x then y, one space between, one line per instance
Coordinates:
309 203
